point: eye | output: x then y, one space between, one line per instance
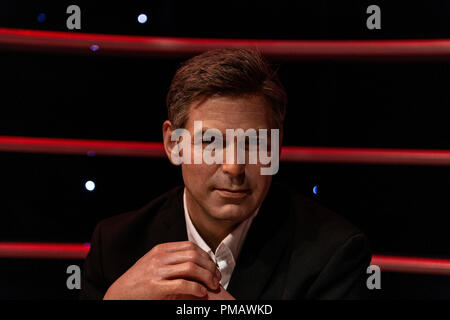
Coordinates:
206 143
251 141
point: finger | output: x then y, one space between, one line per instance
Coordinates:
195 257
187 251
186 287
220 294
190 271
183 246
184 251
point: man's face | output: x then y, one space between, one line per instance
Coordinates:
227 191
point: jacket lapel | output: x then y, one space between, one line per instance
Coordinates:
266 241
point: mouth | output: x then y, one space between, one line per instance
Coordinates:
230 193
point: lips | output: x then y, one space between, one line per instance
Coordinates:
230 193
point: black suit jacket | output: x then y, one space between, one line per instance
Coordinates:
295 248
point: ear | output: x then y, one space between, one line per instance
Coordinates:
168 129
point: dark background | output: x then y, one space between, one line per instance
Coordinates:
366 104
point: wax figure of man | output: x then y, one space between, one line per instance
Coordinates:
229 232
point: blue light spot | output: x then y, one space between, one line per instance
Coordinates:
142 18
89 185
94 47
315 190
41 17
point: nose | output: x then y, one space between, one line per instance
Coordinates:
234 170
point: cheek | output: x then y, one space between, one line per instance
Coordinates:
254 175
264 184
258 182
197 176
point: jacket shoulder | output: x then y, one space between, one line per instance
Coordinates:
316 228
322 222
328 255
136 219
313 219
119 241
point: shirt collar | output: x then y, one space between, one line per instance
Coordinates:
233 240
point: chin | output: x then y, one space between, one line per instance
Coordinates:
231 212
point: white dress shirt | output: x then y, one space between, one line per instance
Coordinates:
227 251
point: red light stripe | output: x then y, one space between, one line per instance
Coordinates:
289 153
80 250
43 250
412 264
366 155
83 147
164 47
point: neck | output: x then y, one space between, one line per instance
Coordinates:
212 230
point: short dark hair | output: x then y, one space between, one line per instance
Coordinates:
224 72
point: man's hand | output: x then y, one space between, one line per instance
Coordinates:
219 294
168 271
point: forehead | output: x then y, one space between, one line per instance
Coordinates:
231 113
